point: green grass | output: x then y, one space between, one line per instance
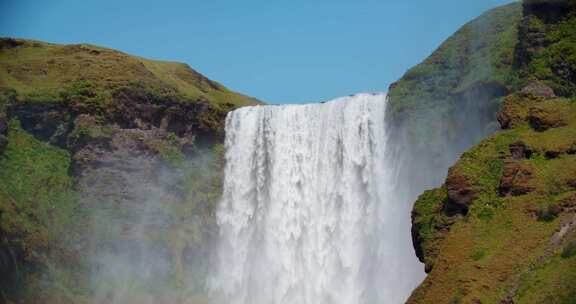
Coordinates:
553 282
482 50
43 72
37 205
555 65
504 241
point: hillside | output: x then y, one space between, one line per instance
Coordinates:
42 71
502 227
449 102
106 160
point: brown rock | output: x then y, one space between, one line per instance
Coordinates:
519 150
549 114
514 110
516 179
537 89
504 120
460 193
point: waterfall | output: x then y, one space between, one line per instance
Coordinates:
311 212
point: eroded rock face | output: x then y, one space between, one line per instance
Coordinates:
519 150
201 120
48 122
460 193
512 112
547 115
548 11
516 178
118 165
114 155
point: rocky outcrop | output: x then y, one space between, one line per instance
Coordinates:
549 11
516 108
519 150
517 178
127 156
517 186
547 115
460 193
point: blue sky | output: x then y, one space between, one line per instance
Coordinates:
283 51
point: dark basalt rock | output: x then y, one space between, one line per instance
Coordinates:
198 120
48 122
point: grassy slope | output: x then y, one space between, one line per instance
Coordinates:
41 214
39 70
448 102
37 206
503 242
482 50
505 246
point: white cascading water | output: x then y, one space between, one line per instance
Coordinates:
310 212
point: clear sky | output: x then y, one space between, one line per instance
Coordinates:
280 51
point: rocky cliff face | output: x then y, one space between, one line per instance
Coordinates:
501 228
449 102
103 153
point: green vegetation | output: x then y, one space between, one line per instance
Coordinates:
37 206
480 52
503 235
105 140
88 75
555 65
514 241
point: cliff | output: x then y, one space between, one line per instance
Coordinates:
104 154
447 103
502 227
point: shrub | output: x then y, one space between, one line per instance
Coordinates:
569 250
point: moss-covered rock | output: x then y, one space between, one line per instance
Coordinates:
509 233
447 103
549 114
109 156
86 76
513 243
